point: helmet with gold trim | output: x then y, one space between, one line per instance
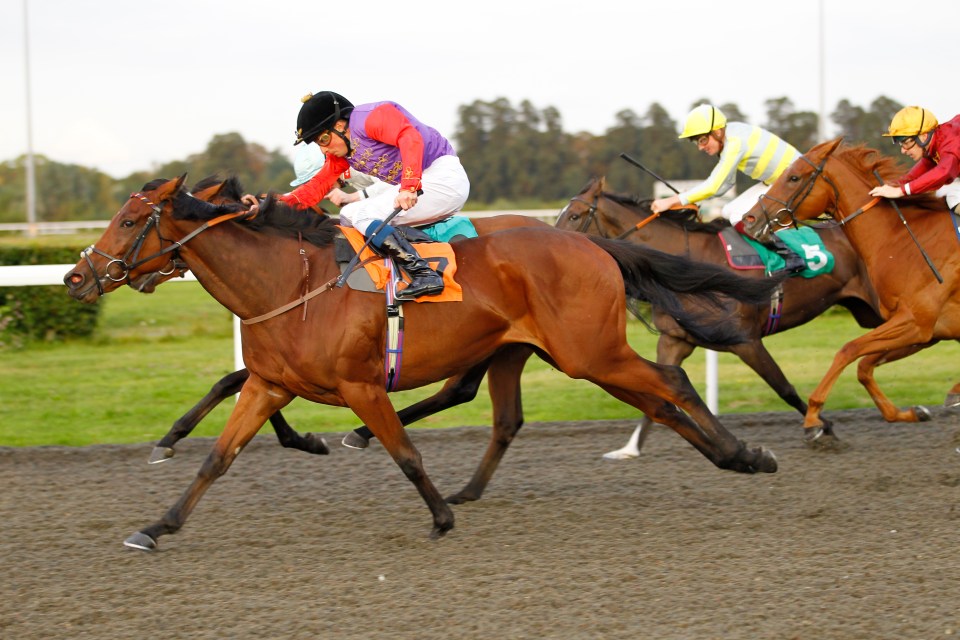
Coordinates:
320 111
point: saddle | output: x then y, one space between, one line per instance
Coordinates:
744 252
379 273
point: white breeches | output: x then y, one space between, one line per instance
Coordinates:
445 189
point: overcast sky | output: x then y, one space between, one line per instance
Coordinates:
123 85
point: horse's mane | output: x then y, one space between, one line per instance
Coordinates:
274 216
862 158
284 220
685 219
230 187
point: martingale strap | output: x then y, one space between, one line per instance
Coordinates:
776 312
394 344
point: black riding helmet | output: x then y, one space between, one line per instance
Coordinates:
319 112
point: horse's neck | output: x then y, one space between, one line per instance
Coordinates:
252 273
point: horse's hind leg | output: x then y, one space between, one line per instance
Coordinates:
890 412
661 392
503 382
670 350
224 388
289 438
456 390
258 401
371 404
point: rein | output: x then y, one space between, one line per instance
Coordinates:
591 217
302 300
791 205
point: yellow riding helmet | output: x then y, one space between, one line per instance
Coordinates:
911 121
703 119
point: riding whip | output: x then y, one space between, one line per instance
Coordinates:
637 164
896 208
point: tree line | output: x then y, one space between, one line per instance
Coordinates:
517 156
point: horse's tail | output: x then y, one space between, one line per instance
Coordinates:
665 279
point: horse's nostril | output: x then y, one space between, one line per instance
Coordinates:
75 278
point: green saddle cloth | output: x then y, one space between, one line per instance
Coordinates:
449 229
806 243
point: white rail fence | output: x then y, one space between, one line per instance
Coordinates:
47 274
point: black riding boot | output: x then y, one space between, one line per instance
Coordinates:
424 280
793 262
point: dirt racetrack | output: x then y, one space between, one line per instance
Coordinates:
863 543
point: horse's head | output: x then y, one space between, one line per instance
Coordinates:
596 211
213 189
796 195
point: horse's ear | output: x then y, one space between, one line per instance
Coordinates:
602 183
170 188
832 146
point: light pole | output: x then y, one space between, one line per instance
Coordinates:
822 119
31 178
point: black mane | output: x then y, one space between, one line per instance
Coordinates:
277 217
230 188
682 218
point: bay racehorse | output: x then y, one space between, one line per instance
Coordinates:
595 210
908 246
522 286
507 408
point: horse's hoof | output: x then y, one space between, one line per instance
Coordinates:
141 541
439 532
767 462
354 440
317 444
621 454
953 399
161 454
923 414
820 439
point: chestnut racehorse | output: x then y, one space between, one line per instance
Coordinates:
610 215
524 286
905 244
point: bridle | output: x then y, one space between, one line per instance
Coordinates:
591 217
131 259
784 216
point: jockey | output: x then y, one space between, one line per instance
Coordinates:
750 149
383 140
309 160
934 147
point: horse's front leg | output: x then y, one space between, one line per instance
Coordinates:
258 400
896 333
372 406
224 388
890 411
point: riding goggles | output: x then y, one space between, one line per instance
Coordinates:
906 142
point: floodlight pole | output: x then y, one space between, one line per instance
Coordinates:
30 174
822 120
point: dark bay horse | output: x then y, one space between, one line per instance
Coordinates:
610 215
522 288
917 309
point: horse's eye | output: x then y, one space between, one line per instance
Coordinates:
794 178
126 224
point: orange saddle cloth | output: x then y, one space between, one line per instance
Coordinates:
438 254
